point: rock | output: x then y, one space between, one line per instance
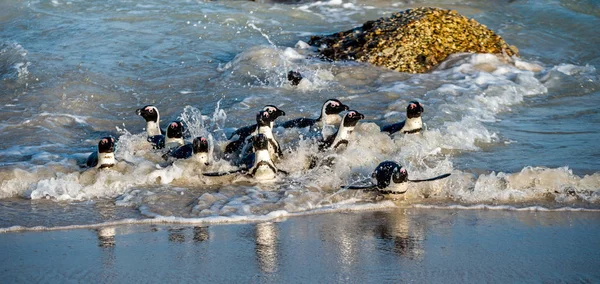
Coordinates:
415 40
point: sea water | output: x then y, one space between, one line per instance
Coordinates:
515 134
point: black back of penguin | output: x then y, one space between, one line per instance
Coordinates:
330 108
389 172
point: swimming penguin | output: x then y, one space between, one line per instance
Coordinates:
104 157
264 121
258 163
329 116
243 132
197 149
152 117
413 122
294 77
390 177
174 137
346 128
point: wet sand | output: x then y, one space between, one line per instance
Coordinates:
398 246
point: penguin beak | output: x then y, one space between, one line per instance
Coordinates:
281 113
345 107
138 111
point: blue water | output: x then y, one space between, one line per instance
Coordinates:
514 134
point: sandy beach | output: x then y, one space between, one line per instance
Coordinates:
394 246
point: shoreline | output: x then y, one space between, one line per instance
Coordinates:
397 245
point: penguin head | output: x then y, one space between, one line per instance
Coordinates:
294 77
333 106
414 109
263 118
175 130
351 118
260 142
106 145
274 111
389 172
200 145
149 113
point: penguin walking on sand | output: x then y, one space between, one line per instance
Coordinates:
152 117
343 133
257 164
330 116
198 149
104 157
244 132
413 122
391 178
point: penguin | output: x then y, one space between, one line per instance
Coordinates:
246 131
152 117
391 178
197 149
294 77
174 137
329 116
346 128
264 121
104 157
258 163
413 122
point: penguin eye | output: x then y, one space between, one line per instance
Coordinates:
334 104
174 124
266 114
270 110
351 114
421 105
402 171
203 139
149 109
103 141
411 106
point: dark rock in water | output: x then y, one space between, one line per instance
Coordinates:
294 77
415 40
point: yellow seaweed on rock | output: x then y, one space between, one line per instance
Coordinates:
415 40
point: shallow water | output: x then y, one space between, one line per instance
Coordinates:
518 134
400 245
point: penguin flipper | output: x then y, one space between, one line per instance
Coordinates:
431 179
371 187
326 143
218 174
243 132
298 123
157 141
234 146
92 160
393 128
182 152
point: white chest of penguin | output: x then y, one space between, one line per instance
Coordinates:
412 124
264 168
106 159
152 128
343 135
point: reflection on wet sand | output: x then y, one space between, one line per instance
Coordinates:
201 234
106 237
267 242
177 235
406 236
